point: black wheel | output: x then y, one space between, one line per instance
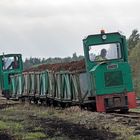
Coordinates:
36 101
6 94
124 110
82 107
22 100
55 104
63 105
48 102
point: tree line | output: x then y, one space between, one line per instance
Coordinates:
30 62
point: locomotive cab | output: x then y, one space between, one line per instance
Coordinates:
107 62
10 64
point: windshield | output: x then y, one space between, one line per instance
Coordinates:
10 63
105 52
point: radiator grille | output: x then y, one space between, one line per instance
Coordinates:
114 78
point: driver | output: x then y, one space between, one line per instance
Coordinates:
102 55
14 64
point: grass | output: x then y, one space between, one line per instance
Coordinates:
3 125
38 128
12 128
18 122
15 127
34 136
135 110
134 138
25 122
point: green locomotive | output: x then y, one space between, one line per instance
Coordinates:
105 84
10 64
107 61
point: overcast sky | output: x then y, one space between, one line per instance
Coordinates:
55 28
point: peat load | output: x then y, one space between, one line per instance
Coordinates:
71 66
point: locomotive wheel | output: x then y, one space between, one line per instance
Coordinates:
48 102
55 104
124 110
6 94
22 100
63 105
35 101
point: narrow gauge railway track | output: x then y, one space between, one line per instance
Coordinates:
132 115
4 103
2 106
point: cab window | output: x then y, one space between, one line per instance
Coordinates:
10 63
105 52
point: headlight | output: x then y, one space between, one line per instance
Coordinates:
104 37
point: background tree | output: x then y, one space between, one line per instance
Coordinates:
74 57
133 39
134 58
